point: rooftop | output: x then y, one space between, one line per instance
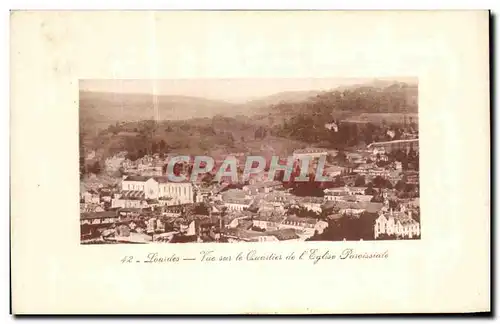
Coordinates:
104 214
132 194
284 234
137 178
310 150
414 140
307 220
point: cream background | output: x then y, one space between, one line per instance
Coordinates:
447 270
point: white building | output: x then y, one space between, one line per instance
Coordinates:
160 187
237 205
320 226
340 194
309 152
400 224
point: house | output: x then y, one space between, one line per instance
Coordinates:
147 185
285 234
399 224
237 204
240 235
129 199
333 170
298 222
320 226
262 187
91 196
353 208
356 190
364 169
274 207
129 213
236 200
335 194
181 192
91 208
312 153
304 226
107 217
362 198
268 221
389 146
188 228
309 203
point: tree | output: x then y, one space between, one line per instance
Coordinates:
95 168
369 190
341 156
360 181
400 185
208 178
201 209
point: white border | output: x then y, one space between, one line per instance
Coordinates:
184 4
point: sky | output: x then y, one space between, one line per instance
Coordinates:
232 90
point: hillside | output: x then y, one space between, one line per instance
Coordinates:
369 98
217 136
100 109
261 105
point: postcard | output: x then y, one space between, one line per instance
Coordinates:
250 162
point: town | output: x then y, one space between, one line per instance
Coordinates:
372 193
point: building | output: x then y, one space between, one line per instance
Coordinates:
312 153
268 221
353 208
399 224
237 204
180 192
160 187
285 234
99 218
389 146
340 194
262 187
91 196
241 235
146 185
129 199
270 206
309 203
320 226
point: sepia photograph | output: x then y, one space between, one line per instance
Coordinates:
338 148
248 160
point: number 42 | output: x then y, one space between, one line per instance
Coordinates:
127 259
